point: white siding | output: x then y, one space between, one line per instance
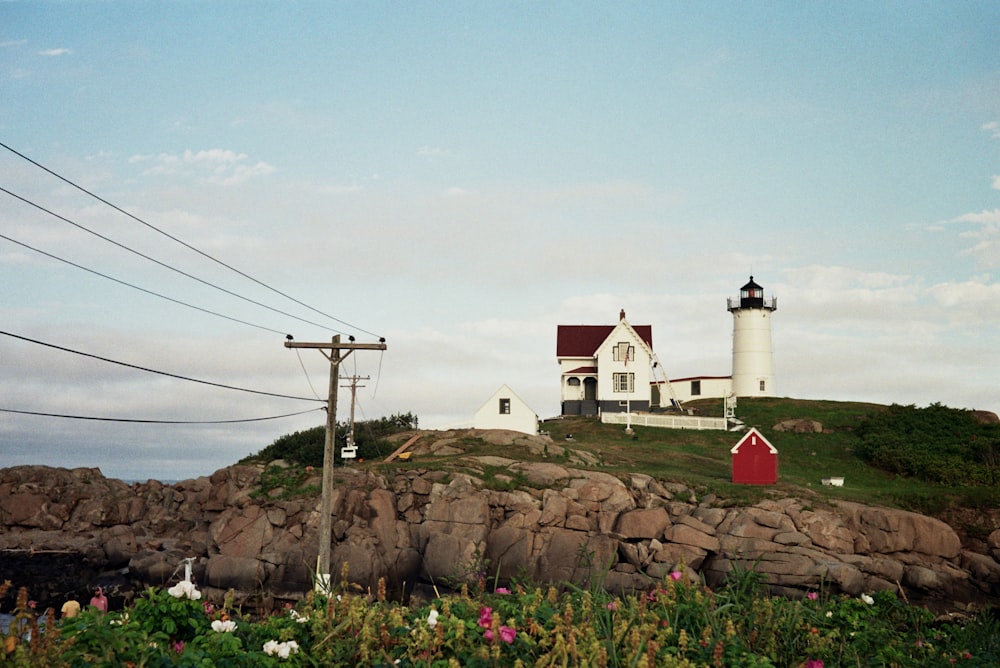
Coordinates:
607 366
752 352
520 418
711 388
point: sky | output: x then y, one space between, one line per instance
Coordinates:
186 182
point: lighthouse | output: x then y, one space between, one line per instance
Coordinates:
753 375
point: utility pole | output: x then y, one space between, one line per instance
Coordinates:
350 452
335 347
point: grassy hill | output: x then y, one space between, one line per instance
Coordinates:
702 460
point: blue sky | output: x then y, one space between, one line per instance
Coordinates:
461 178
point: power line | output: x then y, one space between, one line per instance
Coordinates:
162 373
155 261
105 419
136 287
183 243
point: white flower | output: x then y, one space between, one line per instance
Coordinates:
301 619
185 589
220 626
432 618
829 613
867 599
281 649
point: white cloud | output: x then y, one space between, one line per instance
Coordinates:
13 42
55 52
220 166
995 182
432 151
993 128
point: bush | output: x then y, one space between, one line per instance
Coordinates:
935 444
305 448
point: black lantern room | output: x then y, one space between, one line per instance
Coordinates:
751 295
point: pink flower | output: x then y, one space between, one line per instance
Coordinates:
613 605
502 590
814 663
488 634
507 634
178 646
486 617
812 596
676 575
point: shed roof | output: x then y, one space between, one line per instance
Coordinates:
754 437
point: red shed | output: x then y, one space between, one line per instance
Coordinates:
755 460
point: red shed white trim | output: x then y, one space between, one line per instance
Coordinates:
755 460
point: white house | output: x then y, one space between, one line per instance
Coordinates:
506 410
605 368
700 387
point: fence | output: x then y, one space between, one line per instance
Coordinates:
666 421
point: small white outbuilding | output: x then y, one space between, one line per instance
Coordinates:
506 410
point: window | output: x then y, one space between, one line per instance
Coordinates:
695 388
624 352
623 382
505 407
763 386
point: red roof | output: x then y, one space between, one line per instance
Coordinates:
584 340
582 370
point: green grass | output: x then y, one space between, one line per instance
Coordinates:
702 459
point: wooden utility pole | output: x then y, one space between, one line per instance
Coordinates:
350 432
335 347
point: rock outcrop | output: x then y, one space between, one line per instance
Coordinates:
561 521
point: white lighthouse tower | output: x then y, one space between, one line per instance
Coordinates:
753 375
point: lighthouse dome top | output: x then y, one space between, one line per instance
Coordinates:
752 296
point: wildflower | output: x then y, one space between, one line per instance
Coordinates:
432 618
281 649
178 646
220 626
814 663
502 590
829 613
507 634
676 575
485 617
613 605
300 619
185 589
812 596
867 599
209 608
488 634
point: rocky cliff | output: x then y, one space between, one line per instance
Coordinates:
63 530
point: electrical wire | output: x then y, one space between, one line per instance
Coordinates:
136 287
106 419
183 243
162 373
308 379
158 262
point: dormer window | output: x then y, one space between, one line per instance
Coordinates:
624 352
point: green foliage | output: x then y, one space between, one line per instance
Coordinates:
287 482
305 448
677 623
935 444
